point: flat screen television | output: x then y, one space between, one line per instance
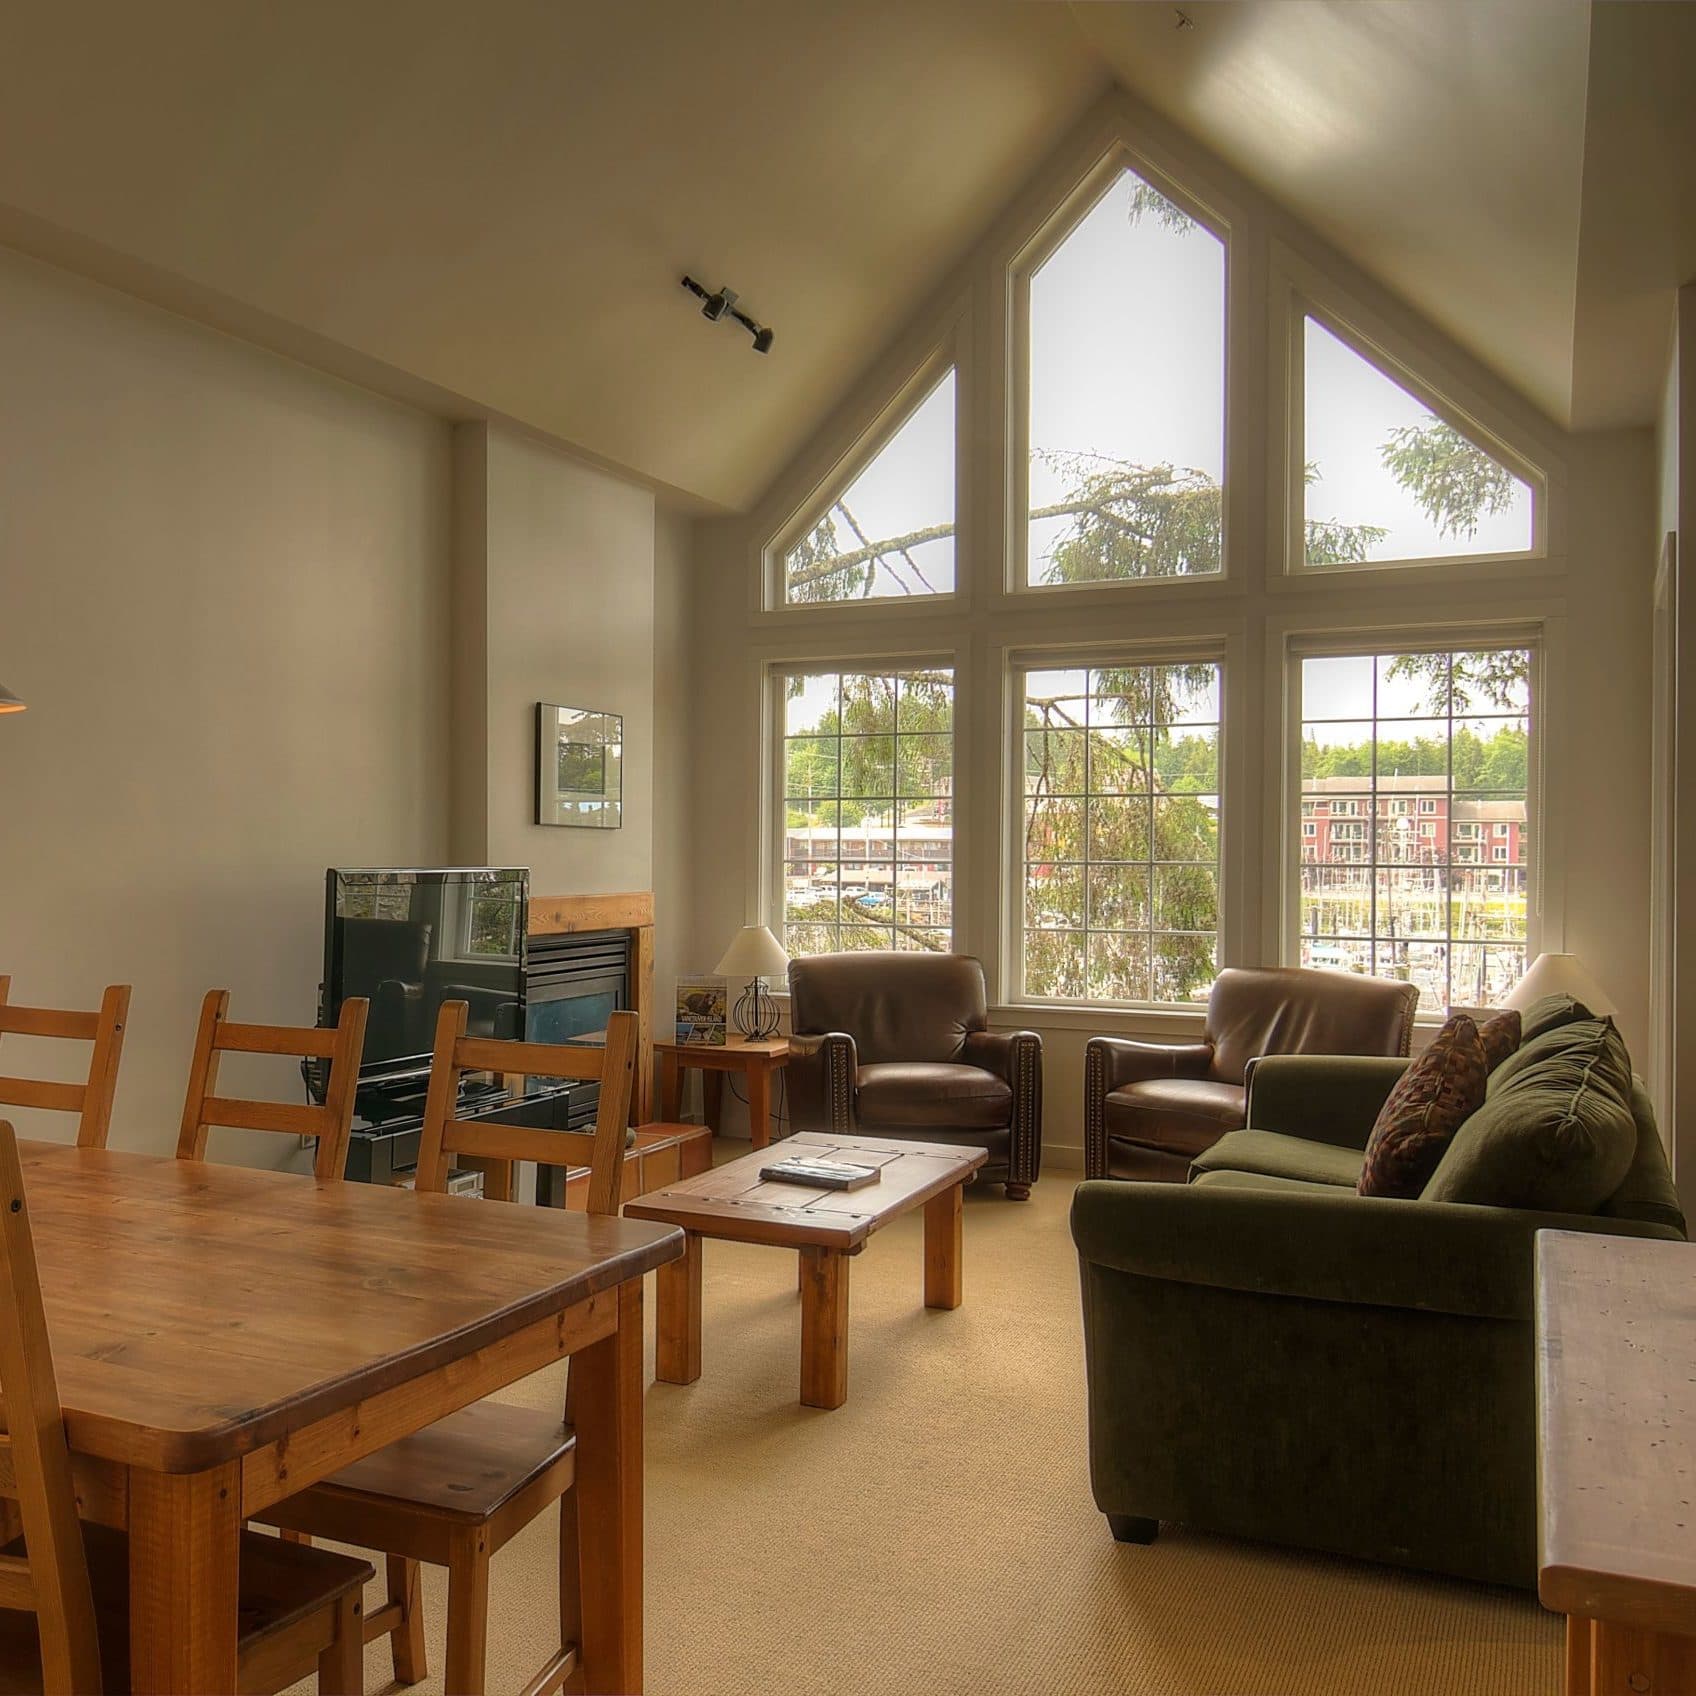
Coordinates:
409 939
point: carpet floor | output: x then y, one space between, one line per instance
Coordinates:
936 1533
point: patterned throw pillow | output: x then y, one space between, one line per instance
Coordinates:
1500 1036
1438 1092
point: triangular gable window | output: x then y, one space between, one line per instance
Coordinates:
890 532
1387 479
1126 419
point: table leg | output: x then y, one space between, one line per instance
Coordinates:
824 1327
1646 1663
1577 1679
712 1099
671 1093
185 1549
677 1343
759 1105
606 1383
943 1247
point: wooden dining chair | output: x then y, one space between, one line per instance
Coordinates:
91 1101
64 1586
331 1123
455 1493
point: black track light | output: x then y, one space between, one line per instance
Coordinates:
721 303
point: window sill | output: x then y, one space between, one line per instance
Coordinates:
1164 1023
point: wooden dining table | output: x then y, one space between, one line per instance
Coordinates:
224 1337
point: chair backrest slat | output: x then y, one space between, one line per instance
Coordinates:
305 1042
52 1580
613 1065
91 1099
529 1059
331 1123
49 1021
38 1092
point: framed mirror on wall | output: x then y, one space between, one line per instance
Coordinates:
579 767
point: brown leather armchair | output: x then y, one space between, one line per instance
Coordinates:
1151 1108
891 1044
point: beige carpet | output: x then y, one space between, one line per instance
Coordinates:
936 1534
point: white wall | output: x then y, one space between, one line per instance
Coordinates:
680 728
554 601
223 586
1675 730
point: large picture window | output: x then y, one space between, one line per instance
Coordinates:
868 809
1385 478
1119 861
1127 395
890 532
1414 832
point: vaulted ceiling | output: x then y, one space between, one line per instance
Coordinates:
488 207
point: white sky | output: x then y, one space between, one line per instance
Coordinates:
1337 704
1128 361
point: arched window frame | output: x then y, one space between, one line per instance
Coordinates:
1050 235
1300 291
949 351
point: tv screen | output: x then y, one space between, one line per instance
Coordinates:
410 940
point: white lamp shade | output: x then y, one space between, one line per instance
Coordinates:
754 953
1559 974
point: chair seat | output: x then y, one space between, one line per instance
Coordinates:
1180 1116
466 1466
282 1585
912 1095
1274 1155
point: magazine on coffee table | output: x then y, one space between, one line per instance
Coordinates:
821 1174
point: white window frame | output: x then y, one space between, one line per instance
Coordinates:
774 672
1051 235
1299 291
948 354
1542 865
1177 650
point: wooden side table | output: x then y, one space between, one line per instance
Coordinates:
756 1061
1616 1421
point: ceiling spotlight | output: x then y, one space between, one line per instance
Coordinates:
722 304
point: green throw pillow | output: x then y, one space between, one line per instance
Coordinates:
1549 1013
1556 1131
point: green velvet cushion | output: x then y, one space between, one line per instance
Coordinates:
1556 1131
1280 1156
1549 1014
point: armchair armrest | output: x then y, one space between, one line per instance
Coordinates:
1111 1062
1437 1257
819 1079
1016 1058
1330 1098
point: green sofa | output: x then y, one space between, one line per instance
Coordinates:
1270 1355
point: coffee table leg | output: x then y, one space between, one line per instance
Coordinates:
677 1348
943 1246
824 1328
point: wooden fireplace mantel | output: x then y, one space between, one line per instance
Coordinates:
563 915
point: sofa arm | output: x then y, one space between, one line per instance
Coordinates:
1330 1098
819 1079
1016 1058
1111 1062
1230 1232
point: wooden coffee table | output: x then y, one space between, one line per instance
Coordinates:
734 1203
